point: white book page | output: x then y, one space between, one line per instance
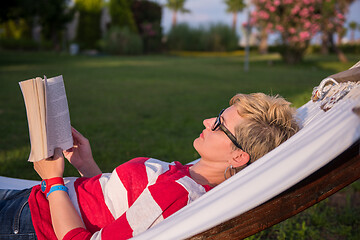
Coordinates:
58 124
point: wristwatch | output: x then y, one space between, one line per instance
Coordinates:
47 183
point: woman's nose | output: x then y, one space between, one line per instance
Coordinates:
209 122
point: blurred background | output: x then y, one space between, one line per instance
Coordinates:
138 27
141 76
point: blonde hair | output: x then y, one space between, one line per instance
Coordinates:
268 122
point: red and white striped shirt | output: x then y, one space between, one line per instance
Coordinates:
119 205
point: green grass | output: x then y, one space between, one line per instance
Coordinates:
145 105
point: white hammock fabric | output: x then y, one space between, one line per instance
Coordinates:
323 137
15 183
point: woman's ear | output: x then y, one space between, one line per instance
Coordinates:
239 158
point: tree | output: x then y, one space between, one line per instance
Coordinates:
295 21
53 17
353 27
234 6
176 6
147 16
121 14
88 30
298 21
16 9
17 17
332 21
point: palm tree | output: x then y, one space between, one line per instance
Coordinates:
352 26
176 6
234 6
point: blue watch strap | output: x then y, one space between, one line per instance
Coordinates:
57 188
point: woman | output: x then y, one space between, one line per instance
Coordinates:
142 192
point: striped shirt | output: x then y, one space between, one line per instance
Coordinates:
119 205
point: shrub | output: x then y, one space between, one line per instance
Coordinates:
350 48
12 29
182 37
222 38
122 41
24 44
313 49
218 37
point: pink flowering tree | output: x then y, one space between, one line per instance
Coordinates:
332 22
296 22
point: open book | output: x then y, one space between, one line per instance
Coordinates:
48 116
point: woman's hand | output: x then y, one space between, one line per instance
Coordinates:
51 167
80 153
80 156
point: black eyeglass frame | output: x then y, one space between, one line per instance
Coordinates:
218 125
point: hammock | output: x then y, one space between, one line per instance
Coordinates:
322 158
231 210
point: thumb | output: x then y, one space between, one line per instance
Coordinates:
57 153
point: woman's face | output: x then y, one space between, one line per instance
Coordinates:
215 146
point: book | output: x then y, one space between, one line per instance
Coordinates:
48 116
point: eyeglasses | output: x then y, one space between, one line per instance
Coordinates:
218 125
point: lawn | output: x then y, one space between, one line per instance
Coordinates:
145 105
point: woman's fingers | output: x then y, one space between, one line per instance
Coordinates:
78 137
57 153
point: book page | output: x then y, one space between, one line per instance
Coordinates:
33 93
58 124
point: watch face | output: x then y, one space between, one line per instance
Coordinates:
43 185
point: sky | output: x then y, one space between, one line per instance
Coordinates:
204 12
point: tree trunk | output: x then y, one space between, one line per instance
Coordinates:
234 21
263 46
292 57
55 40
352 36
293 54
7 31
174 18
339 39
324 43
341 56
